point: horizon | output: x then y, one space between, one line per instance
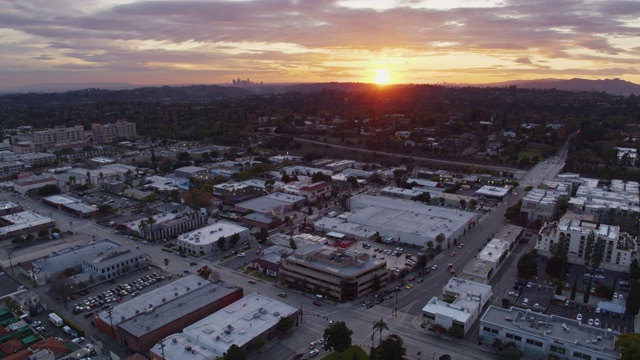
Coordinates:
178 42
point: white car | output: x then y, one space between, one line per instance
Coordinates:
513 293
433 267
242 255
579 317
590 322
596 322
313 353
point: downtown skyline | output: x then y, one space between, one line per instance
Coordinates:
404 41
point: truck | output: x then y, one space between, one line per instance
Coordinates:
56 320
70 331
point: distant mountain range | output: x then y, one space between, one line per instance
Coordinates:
611 86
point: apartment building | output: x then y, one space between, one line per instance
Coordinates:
105 133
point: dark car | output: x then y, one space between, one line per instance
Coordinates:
251 281
88 315
317 303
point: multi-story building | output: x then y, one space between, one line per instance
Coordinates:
146 319
313 192
620 248
540 336
204 241
109 265
60 135
461 305
541 204
334 273
105 133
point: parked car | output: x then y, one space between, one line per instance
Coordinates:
251 281
284 295
317 303
313 352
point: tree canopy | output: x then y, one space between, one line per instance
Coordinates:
338 337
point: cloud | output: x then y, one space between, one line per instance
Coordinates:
322 36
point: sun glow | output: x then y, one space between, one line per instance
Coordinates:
381 77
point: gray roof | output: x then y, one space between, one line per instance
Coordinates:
162 306
72 256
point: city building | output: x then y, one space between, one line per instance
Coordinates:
60 135
276 204
615 202
408 221
339 165
235 192
148 318
298 170
240 323
492 193
399 193
173 227
541 205
106 133
71 205
9 207
23 223
113 263
312 192
188 172
204 241
491 257
336 273
539 335
29 160
620 248
30 182
41 270
461 305
271 259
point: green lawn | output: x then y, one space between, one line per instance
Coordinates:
352 353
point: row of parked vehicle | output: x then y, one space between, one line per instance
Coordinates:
116 294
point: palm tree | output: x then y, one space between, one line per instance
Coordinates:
142 225
381 326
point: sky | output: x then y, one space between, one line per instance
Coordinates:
290 41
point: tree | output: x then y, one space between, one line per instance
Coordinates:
633 299
440 238
221 242
43 233
559 257
284 324
205 272
587 293
456 331
527 266
574 288
510 352
49 190
391 348
262 236
258 343
234 239
292 244
629 345
380 326
235 353
338 337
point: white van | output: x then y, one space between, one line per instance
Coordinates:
319 296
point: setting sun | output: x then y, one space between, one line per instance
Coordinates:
381 77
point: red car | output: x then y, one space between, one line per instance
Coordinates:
317 303
412 278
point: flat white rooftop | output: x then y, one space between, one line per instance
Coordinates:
212 233
238 323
